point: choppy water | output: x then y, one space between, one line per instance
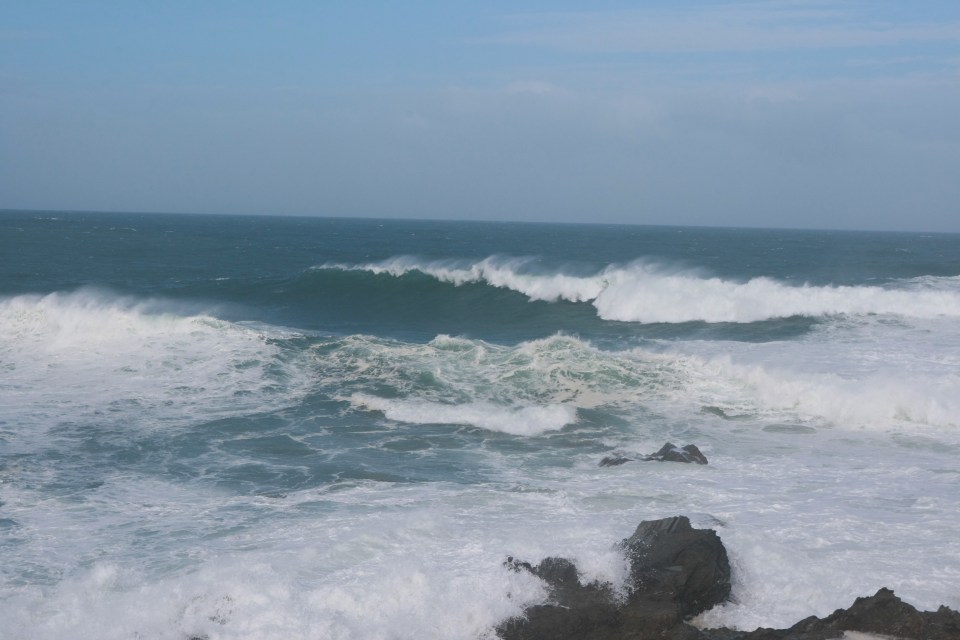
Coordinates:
275 427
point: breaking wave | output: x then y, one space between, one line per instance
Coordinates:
649 293
93 355
542 385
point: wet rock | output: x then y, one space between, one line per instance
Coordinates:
572 610
667 453
882 614
672 453
614 460
670 561
676 571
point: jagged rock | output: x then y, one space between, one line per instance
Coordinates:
614 460
572 611
670 561
672 453
882 614
667 453
676 571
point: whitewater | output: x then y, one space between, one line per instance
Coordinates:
642 292
264 427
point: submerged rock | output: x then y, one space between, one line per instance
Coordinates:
667 453
672 453
614 460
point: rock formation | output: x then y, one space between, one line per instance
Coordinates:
671 453
667 453
677 572
883 614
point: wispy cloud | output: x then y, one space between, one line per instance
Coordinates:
732 27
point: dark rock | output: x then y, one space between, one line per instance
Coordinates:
882 613
885 614
573 610
672 453
670 561
667 453
557 572
614 460
672 566
677 572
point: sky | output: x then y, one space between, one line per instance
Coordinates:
758 113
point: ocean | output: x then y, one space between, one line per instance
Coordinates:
269 427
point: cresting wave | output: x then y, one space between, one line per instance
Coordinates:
105 357
649 293
102 357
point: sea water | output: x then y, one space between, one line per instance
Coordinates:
264 427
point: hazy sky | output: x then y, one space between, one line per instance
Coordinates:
787 113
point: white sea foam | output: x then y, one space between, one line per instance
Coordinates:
92 354
874 401
537 386
809 515
384 560
477 377
868 373
520 421
649 293
385 563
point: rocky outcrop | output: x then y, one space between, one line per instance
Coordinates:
573 611
615 460
670 561
882 614
667 453
677 572
672 453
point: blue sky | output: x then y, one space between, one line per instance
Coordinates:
785 113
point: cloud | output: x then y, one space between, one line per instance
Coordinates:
874 153
844 137
710 28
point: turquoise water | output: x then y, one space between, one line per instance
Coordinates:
291 427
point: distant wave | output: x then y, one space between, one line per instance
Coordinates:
648 293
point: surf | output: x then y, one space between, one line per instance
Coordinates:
647 292
99 356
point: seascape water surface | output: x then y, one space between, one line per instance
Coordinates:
262 427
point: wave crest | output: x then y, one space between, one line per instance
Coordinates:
649 293
92 355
